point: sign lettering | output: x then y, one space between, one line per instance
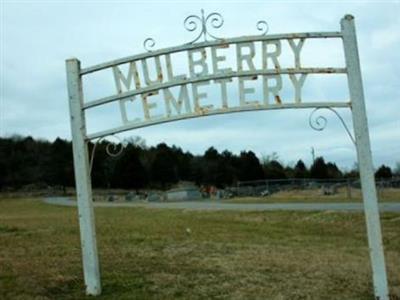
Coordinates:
210 61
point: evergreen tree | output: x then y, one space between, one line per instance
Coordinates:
383 172
210 166
319 169
250 167
333 171
163 168
229 173
274 170
300 170
61 167
129 172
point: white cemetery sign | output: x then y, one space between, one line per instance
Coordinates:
140 77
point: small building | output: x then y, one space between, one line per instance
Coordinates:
185 191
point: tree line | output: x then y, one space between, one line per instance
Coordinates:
25 161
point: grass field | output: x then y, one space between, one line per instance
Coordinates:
178 254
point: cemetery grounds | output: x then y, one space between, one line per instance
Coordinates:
183 254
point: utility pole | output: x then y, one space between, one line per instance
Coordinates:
313 154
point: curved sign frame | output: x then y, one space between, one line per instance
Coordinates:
180 107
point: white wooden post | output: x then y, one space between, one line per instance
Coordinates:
82 179
364 158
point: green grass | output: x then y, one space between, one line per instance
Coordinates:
151 254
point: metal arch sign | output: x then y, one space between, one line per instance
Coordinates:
153 73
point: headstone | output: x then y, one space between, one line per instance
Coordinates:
185 192
265 193
329 190
154 197
130 197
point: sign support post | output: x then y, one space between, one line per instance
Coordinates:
82 179
364 155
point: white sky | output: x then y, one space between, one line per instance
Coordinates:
37 37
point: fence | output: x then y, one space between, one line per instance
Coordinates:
327 186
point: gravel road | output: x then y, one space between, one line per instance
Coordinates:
213 205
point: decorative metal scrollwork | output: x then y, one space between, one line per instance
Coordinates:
193 22
319 123
263 27
112 149
214 20
148 44
202 24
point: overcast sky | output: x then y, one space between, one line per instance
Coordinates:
37 37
